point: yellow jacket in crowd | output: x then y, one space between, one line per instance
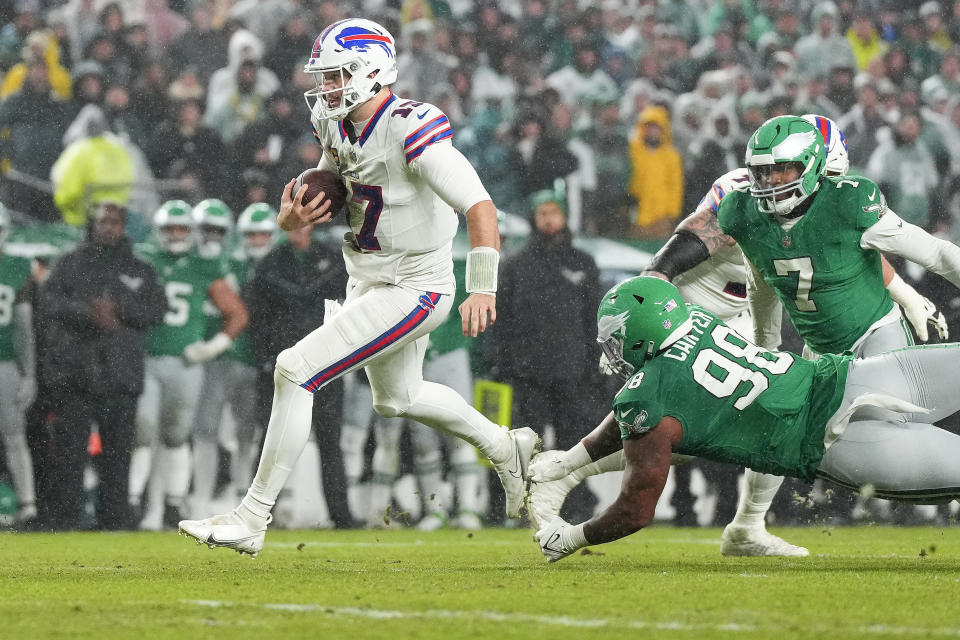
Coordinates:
656 180
89 171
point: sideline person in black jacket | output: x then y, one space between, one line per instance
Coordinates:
96 307
545 340
285 299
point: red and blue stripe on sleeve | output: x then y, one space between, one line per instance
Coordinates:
432 132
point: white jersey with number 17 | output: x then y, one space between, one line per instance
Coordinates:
401 229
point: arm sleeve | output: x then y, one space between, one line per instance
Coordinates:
891 234
682 252
765 309
451 176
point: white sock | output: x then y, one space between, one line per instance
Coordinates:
20 465
140 463
759 490
381 489
468 489
442 408
175 469
287 434
205 454
613 462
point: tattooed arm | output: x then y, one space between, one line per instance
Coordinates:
697 237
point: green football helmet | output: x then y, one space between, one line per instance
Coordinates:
785 141
174 213
635 318
259 217
214 221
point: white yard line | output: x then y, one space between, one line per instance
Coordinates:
559 621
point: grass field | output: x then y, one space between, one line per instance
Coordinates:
867 582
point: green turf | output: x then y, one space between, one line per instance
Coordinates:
870 582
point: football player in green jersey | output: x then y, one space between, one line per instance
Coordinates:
228 379
813 244
18 383
696 387
175 351
708 268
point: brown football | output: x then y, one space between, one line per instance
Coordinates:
318 180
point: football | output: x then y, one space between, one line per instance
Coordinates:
328 182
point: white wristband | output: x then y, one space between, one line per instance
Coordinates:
482 263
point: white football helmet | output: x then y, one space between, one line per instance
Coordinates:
365 55
259 217
214 221
174 213
838 162
4 225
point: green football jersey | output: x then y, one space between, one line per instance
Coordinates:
831 288
186 279
14 272
737 403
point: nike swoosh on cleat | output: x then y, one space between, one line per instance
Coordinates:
549 546
211 539
516 461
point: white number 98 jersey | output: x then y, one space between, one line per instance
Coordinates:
402 230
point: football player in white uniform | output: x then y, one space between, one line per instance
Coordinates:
708 268
404 181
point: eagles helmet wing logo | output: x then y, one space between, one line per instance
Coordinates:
609 325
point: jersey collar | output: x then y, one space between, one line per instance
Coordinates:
368 129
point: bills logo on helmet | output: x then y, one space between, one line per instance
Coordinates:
362 39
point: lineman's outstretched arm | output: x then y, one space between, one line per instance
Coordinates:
648 464
599 443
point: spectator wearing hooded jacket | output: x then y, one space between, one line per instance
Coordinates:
95 167
223 87
656 180
551 377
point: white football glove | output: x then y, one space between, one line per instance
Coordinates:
920 311
549 465
202 351
26 392
558 539
925 313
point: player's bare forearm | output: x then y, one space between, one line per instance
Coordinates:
887 269
648 463
230 306
604 439
482 226
703 223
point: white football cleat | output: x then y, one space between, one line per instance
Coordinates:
548 466
757 541
468 521
546 498
432 522
513 472
228 530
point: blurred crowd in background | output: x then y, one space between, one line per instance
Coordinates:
637 105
